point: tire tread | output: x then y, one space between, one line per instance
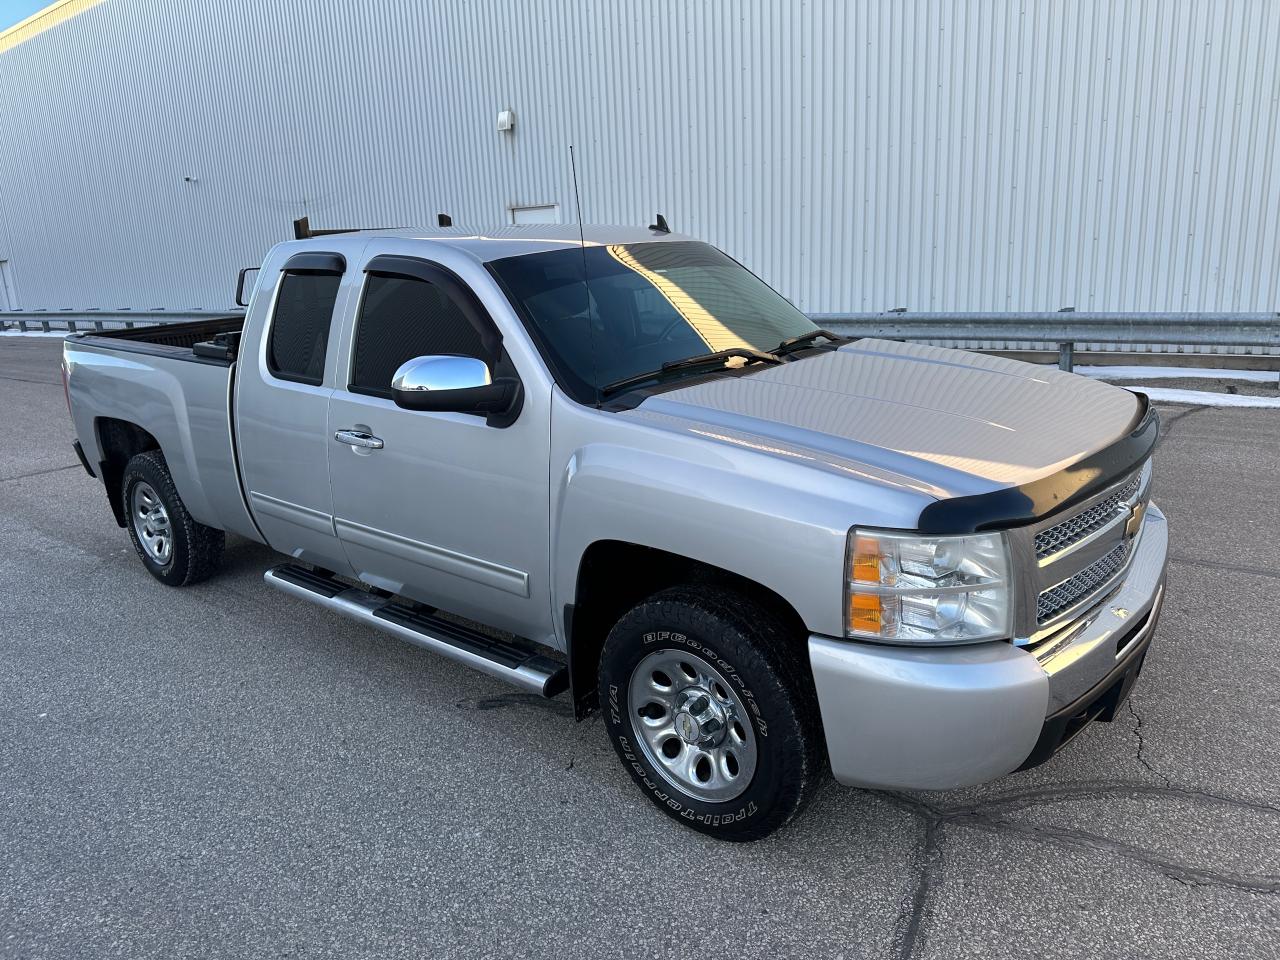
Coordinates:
203 545
804 765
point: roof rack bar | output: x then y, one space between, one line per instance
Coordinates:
302 229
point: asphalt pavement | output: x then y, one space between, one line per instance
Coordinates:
224 771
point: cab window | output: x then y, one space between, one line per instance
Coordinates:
402 318
299 336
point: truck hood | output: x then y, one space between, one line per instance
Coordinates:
946 422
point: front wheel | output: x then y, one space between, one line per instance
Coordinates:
710 705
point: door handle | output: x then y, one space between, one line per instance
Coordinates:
358 439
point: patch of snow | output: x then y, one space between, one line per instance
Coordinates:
1202 399
1175 373
34 333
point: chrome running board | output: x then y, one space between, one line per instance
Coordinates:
517 662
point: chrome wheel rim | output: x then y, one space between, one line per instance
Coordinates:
692 728
151 523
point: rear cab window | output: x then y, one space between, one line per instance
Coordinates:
298 339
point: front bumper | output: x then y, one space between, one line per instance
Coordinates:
940 717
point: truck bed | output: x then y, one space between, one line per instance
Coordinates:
203 341
174 382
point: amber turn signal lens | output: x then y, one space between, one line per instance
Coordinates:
864 612
866 560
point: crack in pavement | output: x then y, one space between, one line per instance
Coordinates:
1228 567
1137 733
911 914
1083 839
41 473
505 701
1166 424
990 817
52 383
1132 788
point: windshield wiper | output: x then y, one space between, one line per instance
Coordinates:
717 359
792 344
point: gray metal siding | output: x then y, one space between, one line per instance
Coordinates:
957 156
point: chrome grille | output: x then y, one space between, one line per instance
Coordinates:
1067 594
1076 528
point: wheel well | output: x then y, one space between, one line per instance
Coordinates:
613 577
120 441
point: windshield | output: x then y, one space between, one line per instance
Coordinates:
648 303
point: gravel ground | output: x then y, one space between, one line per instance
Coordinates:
223 771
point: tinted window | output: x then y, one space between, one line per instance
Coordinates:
646 303
402 318
300 328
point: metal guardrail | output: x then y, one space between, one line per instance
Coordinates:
80 321
1064 329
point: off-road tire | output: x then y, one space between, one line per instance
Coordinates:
768 668
196 550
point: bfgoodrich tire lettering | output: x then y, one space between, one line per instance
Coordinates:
766 671
189 552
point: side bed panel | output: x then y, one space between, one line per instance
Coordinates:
184 405
173 339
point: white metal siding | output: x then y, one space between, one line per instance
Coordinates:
937 156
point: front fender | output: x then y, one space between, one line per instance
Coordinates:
787 539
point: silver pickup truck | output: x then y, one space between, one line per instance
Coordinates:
623 467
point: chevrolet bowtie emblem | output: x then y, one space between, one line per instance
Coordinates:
1134 523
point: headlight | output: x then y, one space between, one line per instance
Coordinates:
904 588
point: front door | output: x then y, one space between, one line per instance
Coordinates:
439 507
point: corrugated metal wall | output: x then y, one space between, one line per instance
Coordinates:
939 156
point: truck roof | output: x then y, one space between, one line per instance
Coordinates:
498 242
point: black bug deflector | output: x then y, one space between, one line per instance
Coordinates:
1040 499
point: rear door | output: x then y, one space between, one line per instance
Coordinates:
447 510
282 406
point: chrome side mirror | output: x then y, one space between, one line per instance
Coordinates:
441 373
457 385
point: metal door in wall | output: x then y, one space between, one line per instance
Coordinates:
8 295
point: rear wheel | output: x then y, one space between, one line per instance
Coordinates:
174 548
710 706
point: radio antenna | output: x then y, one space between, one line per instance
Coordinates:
586 277
577 203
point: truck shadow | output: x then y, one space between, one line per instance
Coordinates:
243 557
